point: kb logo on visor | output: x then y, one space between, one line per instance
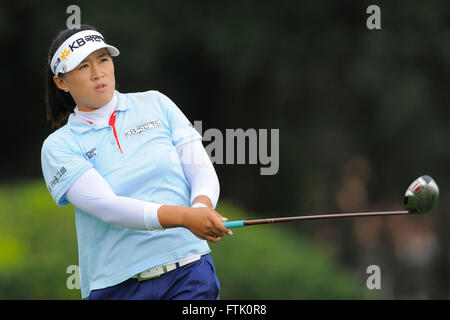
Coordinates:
64 54
75 45
82 41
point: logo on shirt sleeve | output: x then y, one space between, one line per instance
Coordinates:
56 178
142 127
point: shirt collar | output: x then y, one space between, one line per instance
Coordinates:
99 116
81 126
122 103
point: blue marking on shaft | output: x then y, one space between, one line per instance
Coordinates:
234 224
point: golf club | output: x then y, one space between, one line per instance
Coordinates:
421 198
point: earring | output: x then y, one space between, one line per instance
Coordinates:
66 90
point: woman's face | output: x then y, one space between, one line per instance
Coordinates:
92 82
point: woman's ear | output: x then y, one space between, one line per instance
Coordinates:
60 83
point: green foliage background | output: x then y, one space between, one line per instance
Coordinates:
38 243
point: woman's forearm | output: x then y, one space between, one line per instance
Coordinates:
92 194
205 223
202 199
171 216
200 173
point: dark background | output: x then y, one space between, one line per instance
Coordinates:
361 113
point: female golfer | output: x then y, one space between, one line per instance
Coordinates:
133 166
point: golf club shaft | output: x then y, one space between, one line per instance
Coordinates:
243 223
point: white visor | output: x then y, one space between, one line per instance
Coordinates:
76 48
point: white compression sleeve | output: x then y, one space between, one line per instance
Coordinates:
92 194
199 171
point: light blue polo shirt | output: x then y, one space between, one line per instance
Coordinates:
149 127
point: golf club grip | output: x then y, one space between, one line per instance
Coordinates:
234 224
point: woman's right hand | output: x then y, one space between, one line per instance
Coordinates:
205 223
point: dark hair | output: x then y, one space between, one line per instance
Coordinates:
59 104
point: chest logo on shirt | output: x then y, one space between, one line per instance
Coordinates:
141 127
91 153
